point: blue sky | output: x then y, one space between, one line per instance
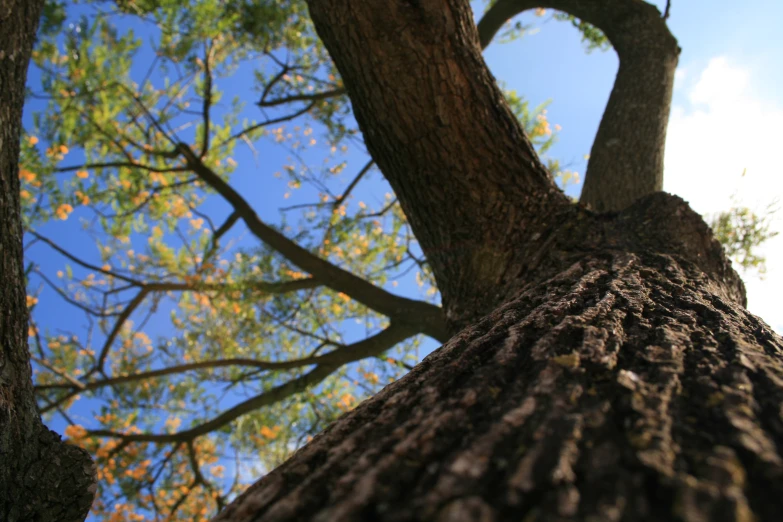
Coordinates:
727 117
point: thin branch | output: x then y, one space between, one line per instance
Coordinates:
402 309
374 345
279 76
84 264
353 183
160 189
337 356
280 287
199 477
37 336
120 164
273 121
154 121
182 368
70 300
207 99
124 315
72 380
220 232
317 96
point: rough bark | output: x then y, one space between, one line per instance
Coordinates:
626 160
613 373
630 386
41 478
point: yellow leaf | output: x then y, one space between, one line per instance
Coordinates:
346 401
31 301
75 431
63 211
82 174
26 175
269 433
63 149
173 423
32 140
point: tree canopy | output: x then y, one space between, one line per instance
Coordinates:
218 313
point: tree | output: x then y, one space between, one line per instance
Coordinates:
244 318
41 478
268 322
615 374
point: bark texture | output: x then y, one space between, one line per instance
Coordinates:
42 479
626 160
604 369
630 386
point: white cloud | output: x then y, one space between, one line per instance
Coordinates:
679 76
720 131
719 85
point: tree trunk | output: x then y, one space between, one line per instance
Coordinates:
604 367
629 386
41 478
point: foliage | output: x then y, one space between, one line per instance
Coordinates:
592 37
741 231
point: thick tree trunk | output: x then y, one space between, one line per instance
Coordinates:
41 478
629 386
608 370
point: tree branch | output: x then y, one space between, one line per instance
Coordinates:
124 316
626 160
373 345
265 123
354 182
119 164
72 381
207 100
399 309
343 353
317 96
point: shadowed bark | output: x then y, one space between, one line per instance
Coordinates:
626 160
42 479
604 366
629 386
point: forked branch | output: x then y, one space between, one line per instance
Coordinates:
626 160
